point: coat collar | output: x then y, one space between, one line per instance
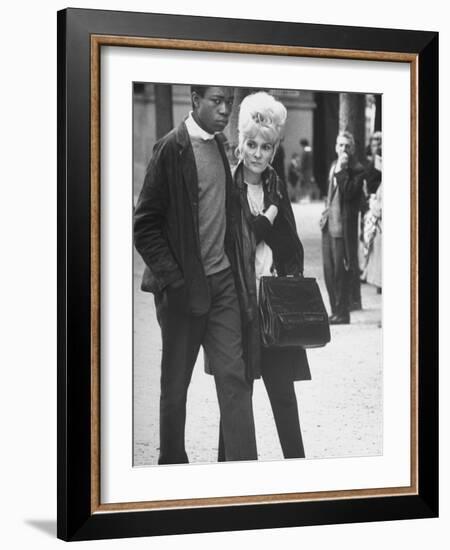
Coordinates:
268 177
194 130
182 136
183 140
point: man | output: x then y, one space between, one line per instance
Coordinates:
182 228
339 225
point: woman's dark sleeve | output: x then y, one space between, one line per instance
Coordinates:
284 240
262 228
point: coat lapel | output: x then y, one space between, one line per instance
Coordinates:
188 169
331 188
228 190
187 161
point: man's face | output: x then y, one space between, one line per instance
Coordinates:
213 110
344 148
375 146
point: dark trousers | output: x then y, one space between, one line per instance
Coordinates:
279 383
337 274
219 332
355 285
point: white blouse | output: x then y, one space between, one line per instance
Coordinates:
263 256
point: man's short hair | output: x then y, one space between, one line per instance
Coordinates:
200 90
348 135
376 135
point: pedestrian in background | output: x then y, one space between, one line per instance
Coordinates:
339 224
372 226
294 177
373 239
371 182
308 187
373 164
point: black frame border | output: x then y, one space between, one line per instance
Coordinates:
75 520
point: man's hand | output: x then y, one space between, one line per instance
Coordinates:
342 161
323 219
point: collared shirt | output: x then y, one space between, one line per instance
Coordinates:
263 253
195 131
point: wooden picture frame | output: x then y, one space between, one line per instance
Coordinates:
81 35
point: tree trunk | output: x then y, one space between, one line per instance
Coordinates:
352 117
163 108
326 125
377 113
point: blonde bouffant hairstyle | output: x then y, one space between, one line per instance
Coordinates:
260 113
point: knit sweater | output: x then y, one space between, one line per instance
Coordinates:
211 208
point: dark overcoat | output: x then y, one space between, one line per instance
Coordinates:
166 220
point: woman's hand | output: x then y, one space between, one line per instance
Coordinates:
271 213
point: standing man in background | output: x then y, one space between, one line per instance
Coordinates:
339 224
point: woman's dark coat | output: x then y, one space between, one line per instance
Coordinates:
287 252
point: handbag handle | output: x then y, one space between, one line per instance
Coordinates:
290 276
275 273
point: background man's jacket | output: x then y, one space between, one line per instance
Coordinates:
349 182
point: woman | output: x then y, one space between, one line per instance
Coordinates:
373 239
266 240
371 183
371 219
293 176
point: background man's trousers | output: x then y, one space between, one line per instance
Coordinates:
219 331
337 277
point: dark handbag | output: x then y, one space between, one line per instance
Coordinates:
292 313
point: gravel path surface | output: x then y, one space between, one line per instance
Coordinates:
341 410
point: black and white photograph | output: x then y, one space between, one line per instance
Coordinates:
244 348
257 274
236 276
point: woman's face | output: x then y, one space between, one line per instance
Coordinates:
257 153
375 144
